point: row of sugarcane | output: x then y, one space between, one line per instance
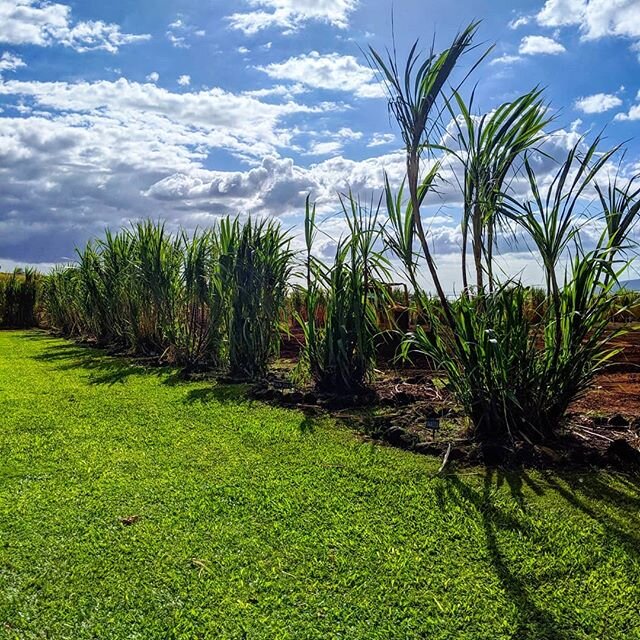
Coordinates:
210 299
217 297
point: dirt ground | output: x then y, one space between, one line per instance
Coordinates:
410 409
618 389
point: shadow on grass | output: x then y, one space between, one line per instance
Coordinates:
236 394
102 367
106 369
588 492
222 394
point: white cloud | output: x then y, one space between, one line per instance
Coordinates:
180 42
379 139
284 91
243 50
534 45
44 24
505 59
80 157
154 76
518 22
107 153
11 62
290 15
331 71
560 13
240 123
329 142
595 18
324 148
632 114
278 185
184 81
179 31
347 133
598 103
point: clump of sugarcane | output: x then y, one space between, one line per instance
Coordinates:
18 298
514 372
340 344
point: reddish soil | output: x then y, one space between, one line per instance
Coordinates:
612 393
616 391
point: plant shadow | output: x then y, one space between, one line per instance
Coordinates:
105 369
102 368
588 492
220 393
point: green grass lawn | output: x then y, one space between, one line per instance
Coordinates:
256 522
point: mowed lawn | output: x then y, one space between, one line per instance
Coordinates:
136 505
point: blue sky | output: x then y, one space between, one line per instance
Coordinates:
188 109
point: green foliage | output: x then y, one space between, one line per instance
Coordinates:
257 277
212 299
61 300
509 376
488 148
200 323
340 348
19 292
514 359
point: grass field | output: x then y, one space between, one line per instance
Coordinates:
134 505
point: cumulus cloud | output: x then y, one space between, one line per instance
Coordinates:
597 103
36 22
324 148
632 114
84 156
179 32
520 21
290 15
184 81
236 122
505 59
77 157
595 18
154 76
380 139
278 186
11 62
534 45
330 71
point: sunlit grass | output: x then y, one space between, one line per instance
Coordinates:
248 521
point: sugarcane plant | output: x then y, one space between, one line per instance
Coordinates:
18 298
211 299
339 351
514 372
256 269
488 148
202 317
60 295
